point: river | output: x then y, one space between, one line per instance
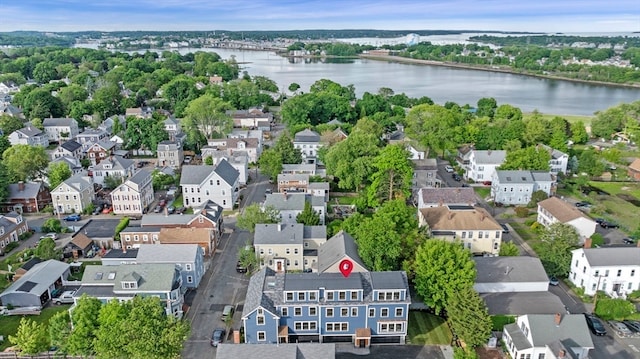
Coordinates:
441 84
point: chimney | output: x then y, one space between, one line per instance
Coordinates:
21 186
587 243
450 215
557 318
562 353
482 216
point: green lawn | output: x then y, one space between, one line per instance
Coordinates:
427 329
482 192
614 188
522 230
499 321
9 324
571 118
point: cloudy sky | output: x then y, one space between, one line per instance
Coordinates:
507 15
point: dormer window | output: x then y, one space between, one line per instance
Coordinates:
129 285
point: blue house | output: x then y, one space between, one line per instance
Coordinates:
362 308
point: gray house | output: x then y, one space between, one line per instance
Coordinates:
189 258
34 288
516 187
292 204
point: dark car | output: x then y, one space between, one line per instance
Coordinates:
240 268
600 220
171 209
158 209
595 324
553 281
180 210
607 224
73 218
633 325
628 241
97 210
456 177
505 229
583 204
217 336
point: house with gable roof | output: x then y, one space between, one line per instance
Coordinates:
60 129
288 246
342 246
482 164
613 270
26 197
239 160
74 164
12 225
29 135
170 154
188 258
291 204
559 160
90 136
308 142
633 170
251 146
445 196
74 194
554 210
113 166
293 182
516 187
100 150
209 217
70 149
134 195
218 184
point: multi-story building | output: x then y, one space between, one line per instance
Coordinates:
70 149
308 142
188 258
559 160
169 154
239 161
554 210
613 270
91 136
293 182
446 196
11 227
516 187
113 166
218 184
74 194
29 135
288 246
251 118
60 129
362 308
134 195
291 204
30 197
208 216
100 150
482 164
252 147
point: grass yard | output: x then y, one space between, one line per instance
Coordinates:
482 192
9 324
523 231
614 188
427 329
571 118
499 321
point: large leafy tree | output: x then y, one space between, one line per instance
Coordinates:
178 92
270 163
486 107
392 176
57 172
39 103
5 180
559 240
85 326
46 249
9 124
253 215
31 337
442 268
209 115
509 249
529 158
59 330
108 101
289 154
469 317
25 162
590 163
308 216
433 126
144 133
109 341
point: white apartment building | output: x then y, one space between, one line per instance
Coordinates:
613 270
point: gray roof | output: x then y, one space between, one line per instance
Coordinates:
255 297
315 232
119 253
520 303
514 177
293 177
140 177
71 145
540 176
167 253
58 122
226 171
277 351
39 278
509 269
555 154
116 162
612 256
335 249
489 157
449 195
279 233
329 281
306 136
30 131
31 190
192 174
107 144
160 220
79 181
7 224
92 132
572 326
286 202
386 280
518 338
99 228
158 277
319 185
303 167
149 228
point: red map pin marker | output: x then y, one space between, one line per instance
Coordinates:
346 267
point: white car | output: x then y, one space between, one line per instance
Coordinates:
49 235
448 168
65 298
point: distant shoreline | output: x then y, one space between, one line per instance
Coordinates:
400 59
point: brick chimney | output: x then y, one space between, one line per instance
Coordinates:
587 243
21 186
557 318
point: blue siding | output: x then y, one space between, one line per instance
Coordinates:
270 327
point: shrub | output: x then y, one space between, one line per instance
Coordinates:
537 227
597 239
11 246
521 212
613 309
634 295
529 222
52 225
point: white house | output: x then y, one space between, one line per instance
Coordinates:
114 166
548 336
482 164
288 246
292 204
559 160
60 129
74 194
232 145
308 142
510 274
74 164
613 270
239 160
553 210
29 135
172 126
69 148
134 195
516 187
169 154
218 184
91 136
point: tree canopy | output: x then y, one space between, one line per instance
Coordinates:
25 162
253 214
559 240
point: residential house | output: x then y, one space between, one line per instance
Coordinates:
108 124
283 246
633 170
70 149
613 270
516 187
12 225
139 112
239 161
300 169
90 136
188 258
549 336
74 194
113 166
10 110
425 172
455 196
554 210
125 281
208 216
319 189
291 204
232 145
337 249
308 142
558 162
462 157
9 87
74 164
100 233
218 184
482 164
362 308
170 154
34 288
293 183
201 236
30 197
60 129
119 256
172 126
280 351
135 195
244 133
100 151
251 118
29 135
472 226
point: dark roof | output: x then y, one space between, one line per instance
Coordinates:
119 253
449 195
330 281
192 174
386 280
509 269
31 190
307 136
30 263
99 228
520 303
58 122
30 131
227 172
71 145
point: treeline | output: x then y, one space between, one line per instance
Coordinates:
564 40
34 38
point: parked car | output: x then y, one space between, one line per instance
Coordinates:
107 210
553 280
628 241
620 329
171 209
607 224
187 159
505 229
240 268
268 191
487 183
599 220
633 325
158 209
227 311
49 235
72 218
217 336
595 324
456 177
448 168
97 210
180 210
583 204
65 298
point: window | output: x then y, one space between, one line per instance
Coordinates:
289 296
313 311
344 312
399 312
480 235
312 295
606 273
329 295
301 296
329 312
354 295
597 273
288 251
136 238
619 272
260 320
342 295
390 327
633 272
384 312
285 312
187 266
297 311
584 269
337 327
354 311
295 251
372 312
305 325
262 336
463 235
189 279
541 356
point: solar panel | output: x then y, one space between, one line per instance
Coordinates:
26 286
460 207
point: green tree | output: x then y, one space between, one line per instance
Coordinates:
579 133
44 72
4 182
529 158
46 249
59 330
442 268
112 320
308 216
247 258
536 197
107 101
379 255
559 240
39 103
25 162
111 182
270 163
590 163
293 87
144 133
469 317
57 172
486 107
31 337
508 112
536 130
253 215
209 115
392 177
433 126
288 153
85 325
9 124
509 249
208 161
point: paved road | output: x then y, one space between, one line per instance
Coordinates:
221 285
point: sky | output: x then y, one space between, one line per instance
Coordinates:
504 15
